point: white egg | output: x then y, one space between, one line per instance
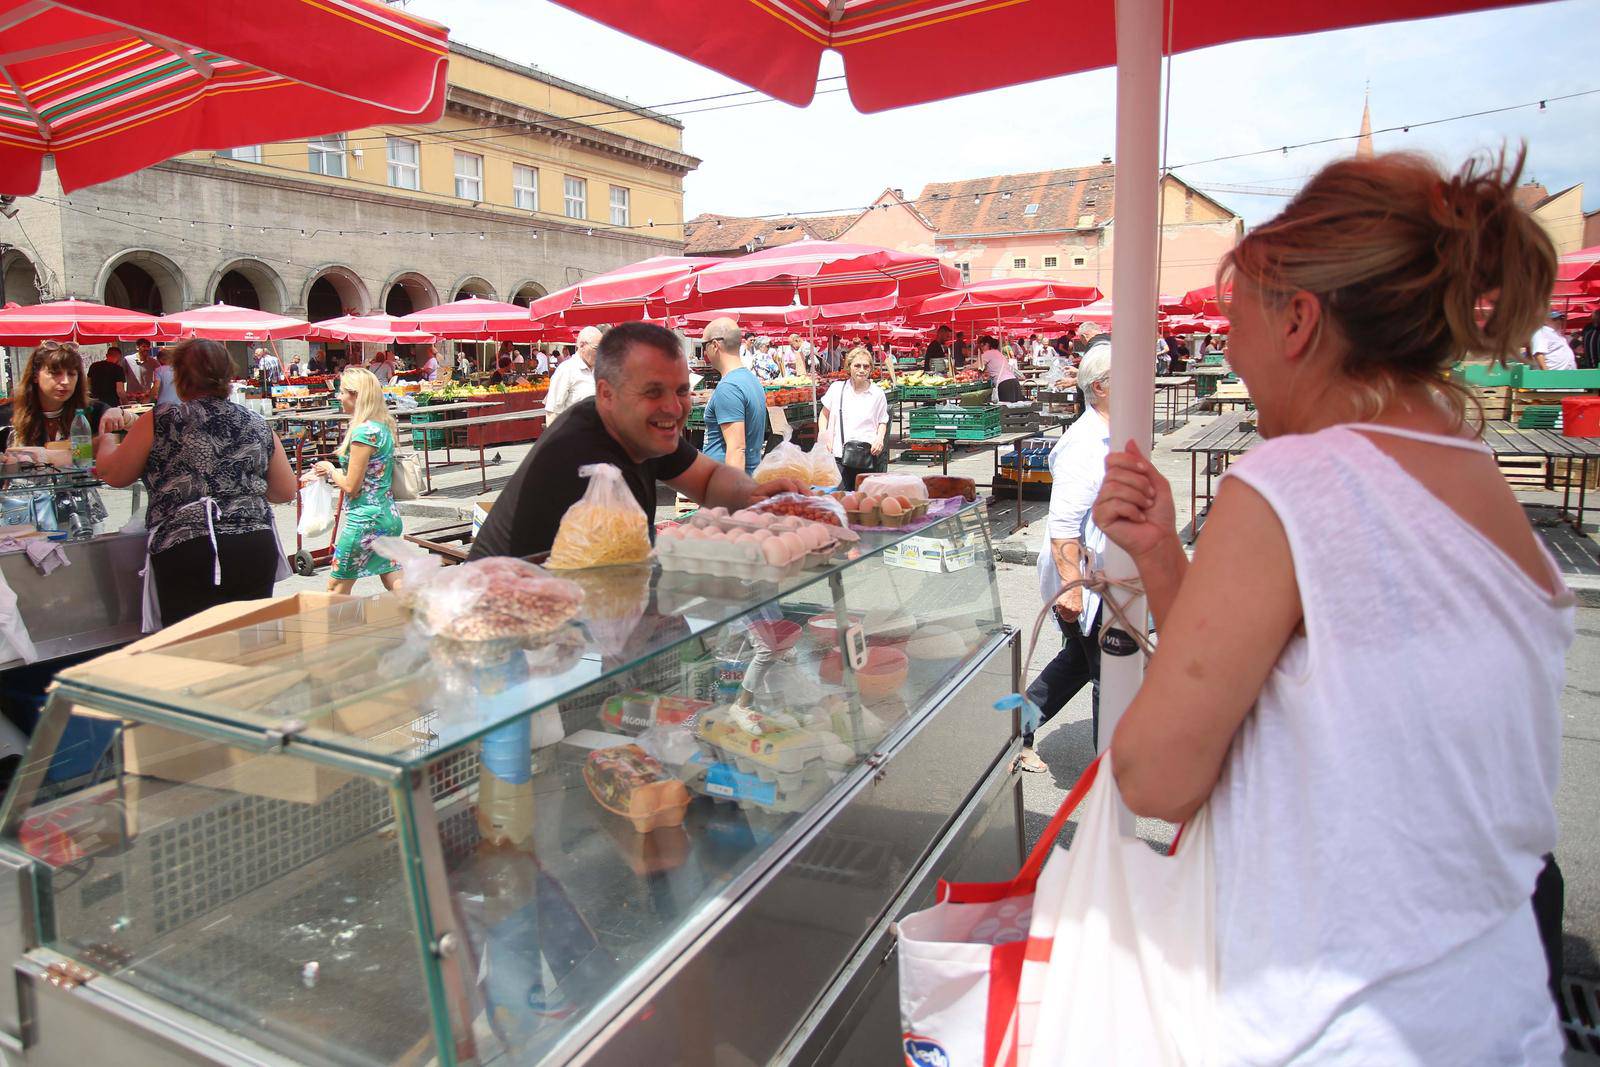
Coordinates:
775 552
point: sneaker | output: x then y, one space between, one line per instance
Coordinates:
1028 760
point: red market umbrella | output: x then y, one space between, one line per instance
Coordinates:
921 50
475 319
1202 302
749 318
1001 298
378 329
80 321
110 86
621 295
811 273
224 322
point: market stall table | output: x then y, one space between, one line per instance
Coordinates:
1047 423
421 432
1171 389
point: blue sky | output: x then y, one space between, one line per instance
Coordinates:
771 158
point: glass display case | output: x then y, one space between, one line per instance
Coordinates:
674 828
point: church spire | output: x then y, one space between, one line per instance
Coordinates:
1364 143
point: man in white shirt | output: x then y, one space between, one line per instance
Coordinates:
574 379
1549 348
1077 467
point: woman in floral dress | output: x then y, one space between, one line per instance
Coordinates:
367 479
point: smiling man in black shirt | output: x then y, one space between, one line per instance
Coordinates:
634 421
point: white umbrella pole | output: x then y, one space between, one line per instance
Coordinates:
1133 286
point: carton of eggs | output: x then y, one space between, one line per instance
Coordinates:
745 545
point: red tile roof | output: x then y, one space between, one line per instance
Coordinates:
709 235
1063 197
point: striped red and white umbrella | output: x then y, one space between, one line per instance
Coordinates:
475 318
81 321
622 295
811 273
110 86
224 322
1001 298
377 329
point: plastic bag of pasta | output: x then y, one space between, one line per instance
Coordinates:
786 460
607 526
824 471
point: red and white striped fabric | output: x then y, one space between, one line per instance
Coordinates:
224 322
378 329
623 295
475 318
80 321
811 273
997 299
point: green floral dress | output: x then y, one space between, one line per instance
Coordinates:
370 513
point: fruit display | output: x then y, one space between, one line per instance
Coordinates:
446 393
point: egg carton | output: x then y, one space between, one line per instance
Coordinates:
736 554
784 755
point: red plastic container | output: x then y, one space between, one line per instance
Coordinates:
1580 416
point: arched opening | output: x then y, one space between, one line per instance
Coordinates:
142 280
336 291
248 283
409 292
527 293
236 289
473 286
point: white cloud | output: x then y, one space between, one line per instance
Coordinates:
1242 97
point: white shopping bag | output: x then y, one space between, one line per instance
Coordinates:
318 504
1131 975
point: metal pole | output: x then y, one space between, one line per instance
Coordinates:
1133 285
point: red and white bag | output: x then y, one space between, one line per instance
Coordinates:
1116 939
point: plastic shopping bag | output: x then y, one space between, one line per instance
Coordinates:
607 526
786 460
1116 939
824 471
319 502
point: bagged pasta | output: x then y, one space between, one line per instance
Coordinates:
607 526
786 460
824 471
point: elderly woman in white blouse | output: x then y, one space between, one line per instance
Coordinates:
855 419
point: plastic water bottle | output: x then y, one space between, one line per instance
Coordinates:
82 440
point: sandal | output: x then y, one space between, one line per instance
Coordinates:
1028 760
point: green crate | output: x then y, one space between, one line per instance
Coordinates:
953 432
961 423
920 392
434 438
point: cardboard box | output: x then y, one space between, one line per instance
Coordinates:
228 676
480 513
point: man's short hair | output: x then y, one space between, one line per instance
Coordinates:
619 340
113 348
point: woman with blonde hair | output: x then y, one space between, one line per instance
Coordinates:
1360 671
367 480
50 393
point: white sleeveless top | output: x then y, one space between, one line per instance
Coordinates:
1383 810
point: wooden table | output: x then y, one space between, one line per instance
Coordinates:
422 430
1232 434
1172 387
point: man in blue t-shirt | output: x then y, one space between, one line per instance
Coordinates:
736 417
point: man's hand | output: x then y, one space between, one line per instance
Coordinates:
773 488
1069 605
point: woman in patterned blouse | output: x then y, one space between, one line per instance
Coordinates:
214 469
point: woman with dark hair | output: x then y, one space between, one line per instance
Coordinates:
1360 674
1001 371
213 467
52 390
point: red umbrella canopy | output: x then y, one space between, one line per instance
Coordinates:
919 50
110 86
1002 298
1202 302
631 292
474 319
74 320
812 272
224 322
382 329
750 318
1580 268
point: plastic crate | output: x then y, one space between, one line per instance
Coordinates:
920 392
434 438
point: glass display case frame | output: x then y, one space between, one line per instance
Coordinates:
280 768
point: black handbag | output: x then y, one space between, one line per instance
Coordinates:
858 454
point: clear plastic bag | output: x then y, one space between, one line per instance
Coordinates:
319 503
909 486
786 460
492 598
824 471
607 526
418 566
816 508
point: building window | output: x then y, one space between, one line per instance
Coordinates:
1050 262
966 272
325 155
469 176
248 153
1077 261
405 164
1020 263
524 187
575 197
619 206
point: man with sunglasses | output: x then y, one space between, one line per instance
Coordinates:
736 417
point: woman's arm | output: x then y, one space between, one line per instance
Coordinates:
121 465
281 482
349 479
1238 606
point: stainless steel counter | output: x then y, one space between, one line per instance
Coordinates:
94 603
